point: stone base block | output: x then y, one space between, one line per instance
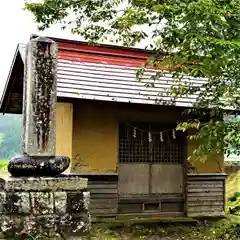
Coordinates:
44 208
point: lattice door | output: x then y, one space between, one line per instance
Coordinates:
148 165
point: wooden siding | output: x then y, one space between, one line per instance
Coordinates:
103 194
162 205
206 195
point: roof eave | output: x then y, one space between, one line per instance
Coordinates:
111 46
7 88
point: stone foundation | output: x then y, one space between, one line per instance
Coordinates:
44 207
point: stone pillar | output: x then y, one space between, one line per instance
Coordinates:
38 202
39 113
40 95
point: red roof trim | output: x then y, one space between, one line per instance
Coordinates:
78 51
86 48
99 58
104 49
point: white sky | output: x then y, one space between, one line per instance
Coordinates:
16 27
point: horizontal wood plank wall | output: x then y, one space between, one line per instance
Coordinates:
103 190
206 195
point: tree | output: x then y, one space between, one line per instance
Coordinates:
198 38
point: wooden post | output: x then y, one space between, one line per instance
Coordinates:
39 113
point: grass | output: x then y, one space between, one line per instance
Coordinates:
3 168
223 229
233 184
138 232
3 163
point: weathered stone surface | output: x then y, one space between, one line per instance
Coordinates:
86 200
2 201
51 184
39 113
42 203
12 203
2 183
60 202
17 203
39 138
78 220
38 166
15 226
60 183
10 226
25 206
78 202
44 224
48 225
75 225
36 207
75 202
30 225
44 227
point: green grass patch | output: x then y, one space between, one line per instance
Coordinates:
3 168
233 185
3 163
232 188
225 229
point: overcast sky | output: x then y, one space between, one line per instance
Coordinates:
16 27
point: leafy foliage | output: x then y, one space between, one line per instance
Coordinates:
224 230
195 38
235 204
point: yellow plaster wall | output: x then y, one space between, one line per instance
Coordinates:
213 165
64 129
95 138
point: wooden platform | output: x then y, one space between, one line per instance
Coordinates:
205 197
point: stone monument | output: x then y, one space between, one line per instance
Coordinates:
37 200
39 113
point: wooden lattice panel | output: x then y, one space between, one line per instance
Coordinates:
136 147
